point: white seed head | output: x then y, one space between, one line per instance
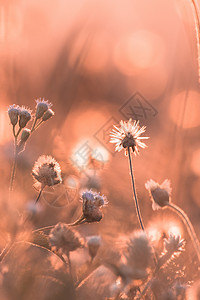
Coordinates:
160 194
93 243
92 202
46 171
13 112
25 134
62 238
128 136
47 115
24 116
41 107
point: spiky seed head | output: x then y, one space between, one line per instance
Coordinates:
62 238
46 171
160 194
24 116
174 244
41 107
128 136
47 115
13 113
93 243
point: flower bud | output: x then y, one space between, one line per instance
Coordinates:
94 242
25 134
24 117
13 113
41 107
48 114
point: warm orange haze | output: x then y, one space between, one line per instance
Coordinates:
100 150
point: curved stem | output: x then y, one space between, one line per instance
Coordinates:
77 222
134 192
189 226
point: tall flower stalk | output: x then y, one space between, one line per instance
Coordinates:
19 118
127 136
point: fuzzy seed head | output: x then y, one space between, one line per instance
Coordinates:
139 251
62 238
13 112
47 115
24 116
160 194
41 107
93 243
46 171
128 136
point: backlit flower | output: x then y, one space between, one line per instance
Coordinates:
160 193
128 136
41 107
46 171
92 202
62 238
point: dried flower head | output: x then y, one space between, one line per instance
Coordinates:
46 171
13 112
174 244
92 202
139 251
93 243
24 116
41 107
48 114
128 136
62 238
159 193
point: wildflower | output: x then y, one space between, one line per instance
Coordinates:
13 112
24 116
160 194
46 171
92 202
47 115
64 239
128 136
93 243
174 243
41 107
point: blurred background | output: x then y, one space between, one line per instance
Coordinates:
99 62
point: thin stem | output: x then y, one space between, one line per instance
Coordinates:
33 127
70 266
77 222
134 191
5 251
14 165
38 197
189 226
197 28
